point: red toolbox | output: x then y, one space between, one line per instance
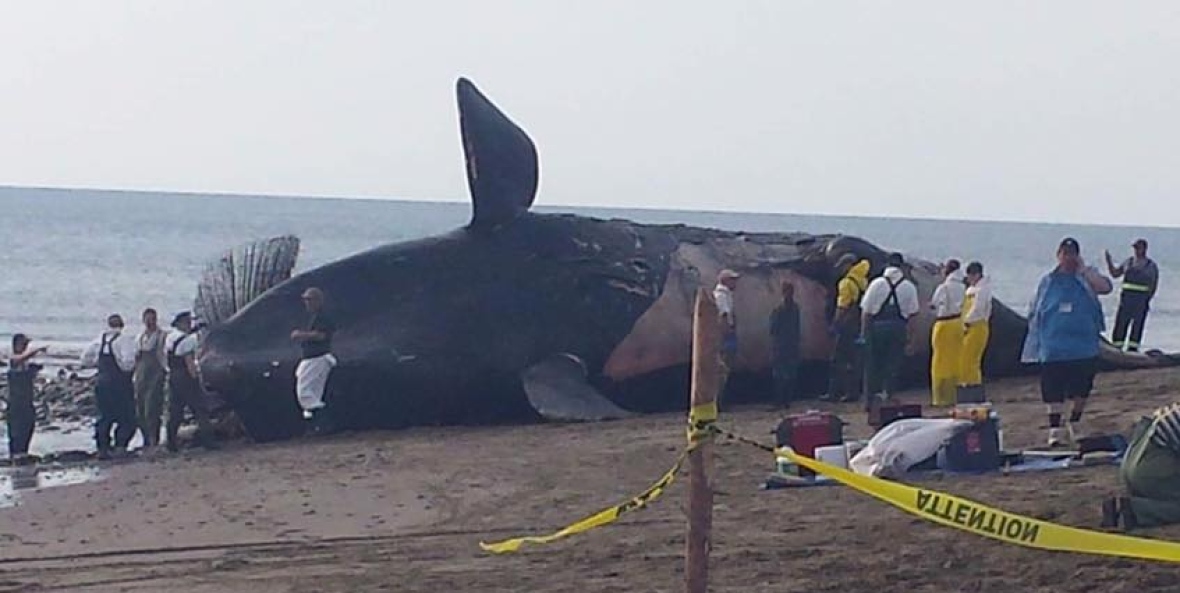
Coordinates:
804 432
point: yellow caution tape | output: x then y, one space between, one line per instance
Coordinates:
937 507
971 516
604 517
700 422
700 427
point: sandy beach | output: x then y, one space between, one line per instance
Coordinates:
405 511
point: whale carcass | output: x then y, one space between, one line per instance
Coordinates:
520 316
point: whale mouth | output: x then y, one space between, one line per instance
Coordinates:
260 392
229 377
216 368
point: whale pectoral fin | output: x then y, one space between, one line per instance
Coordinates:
1114 358
558 390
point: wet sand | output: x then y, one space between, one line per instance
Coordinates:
404 511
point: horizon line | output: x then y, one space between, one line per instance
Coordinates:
375 198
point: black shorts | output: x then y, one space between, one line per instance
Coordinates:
1067 379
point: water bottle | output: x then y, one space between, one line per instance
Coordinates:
785 466
993 416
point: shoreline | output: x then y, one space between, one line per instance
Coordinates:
66 412
465 202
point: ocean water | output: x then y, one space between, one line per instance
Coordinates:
71 257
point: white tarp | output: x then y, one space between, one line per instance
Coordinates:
905 443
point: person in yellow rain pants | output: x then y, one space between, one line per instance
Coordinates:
977 310
946 337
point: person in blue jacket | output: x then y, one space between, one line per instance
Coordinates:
1065 325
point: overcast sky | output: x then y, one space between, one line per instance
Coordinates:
1050 111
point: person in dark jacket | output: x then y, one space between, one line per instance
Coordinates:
784 346
21 415
1140 280
316 361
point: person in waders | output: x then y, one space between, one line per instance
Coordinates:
846 376
149 378
889 303
184 386
1150 472
946 336
21 416
1140 279
977 313
785 328
316 361
114 393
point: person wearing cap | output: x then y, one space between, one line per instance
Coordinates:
1140 278
888 306
316 360
113 353
184 385
846 377
1065 325
946 336
977 313
149 377
723 295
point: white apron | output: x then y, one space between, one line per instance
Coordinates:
311 376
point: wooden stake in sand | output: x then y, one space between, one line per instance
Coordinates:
706 379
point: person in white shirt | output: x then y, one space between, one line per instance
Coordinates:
723 295
114 393
946 337
184 385
888 305
977 311
149 378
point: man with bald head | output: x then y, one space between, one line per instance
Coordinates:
316 359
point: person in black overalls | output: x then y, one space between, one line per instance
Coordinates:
888 305
1140 280
184 386
21 415
114 391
